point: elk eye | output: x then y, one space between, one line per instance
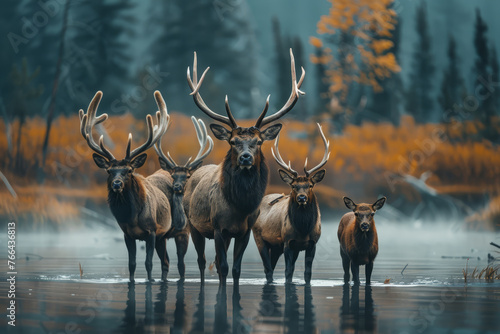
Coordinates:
356 214
232 142
109 171
372 214
259 142
129 171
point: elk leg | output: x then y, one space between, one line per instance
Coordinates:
290 258
368 272
346 262
240 244
150 248
276 252
355 273
132 250
199 245
310 252
161 251
221 257
181 243
264 251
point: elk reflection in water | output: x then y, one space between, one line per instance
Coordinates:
354 317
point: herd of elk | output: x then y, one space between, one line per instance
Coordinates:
290 224
180 175
225 201
358 238
222 201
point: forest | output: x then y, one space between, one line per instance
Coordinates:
423 132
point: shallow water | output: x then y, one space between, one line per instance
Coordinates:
430 296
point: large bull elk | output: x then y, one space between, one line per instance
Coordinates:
175 192
222 201
290 224
138 203
358 238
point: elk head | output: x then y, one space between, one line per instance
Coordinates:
120 171
302 186
245 141
364 212
181 174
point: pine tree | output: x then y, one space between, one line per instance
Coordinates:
481 69
452 86
419 99
223 39
495 79
386 103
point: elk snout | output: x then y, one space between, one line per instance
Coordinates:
178 188
365 226
117 185
245 160
302 199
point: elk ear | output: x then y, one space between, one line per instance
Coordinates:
220 132
138 161
318 176
164 165
271 132
101 162
287 178
349 203
379 203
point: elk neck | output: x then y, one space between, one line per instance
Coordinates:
178 215
128 204
364 240
303 217
244 188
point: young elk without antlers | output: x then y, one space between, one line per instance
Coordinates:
175 192
293 223
358 238
139 205
222 201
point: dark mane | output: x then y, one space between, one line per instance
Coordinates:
129 203
303 217
244 188
363 240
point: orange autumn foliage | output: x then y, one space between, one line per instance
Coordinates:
362 55
366 159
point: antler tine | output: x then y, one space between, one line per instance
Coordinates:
159 151
203 139
263 113
195 85
279 159
155 132
88 121
294 95
229 114
326 156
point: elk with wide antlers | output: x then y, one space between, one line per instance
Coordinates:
222 201
290 224
175 192
139 204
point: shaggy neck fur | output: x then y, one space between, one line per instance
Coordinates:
178 215
128 204
363 240
244 188
303 217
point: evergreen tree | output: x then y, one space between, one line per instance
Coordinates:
223 39
322 85
386 103
419 99
495 79
452 86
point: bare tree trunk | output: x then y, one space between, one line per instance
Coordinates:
55 87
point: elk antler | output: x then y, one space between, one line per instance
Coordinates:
294 96
88 121
195 85
155 132
203 139
326 156
279 159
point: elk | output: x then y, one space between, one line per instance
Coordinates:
222 201
175 191
290 224
138 203
358 238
